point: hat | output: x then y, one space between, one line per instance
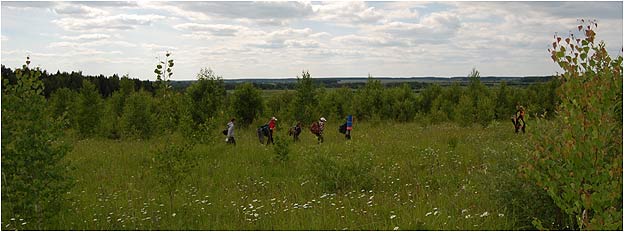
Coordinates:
273 118
323 119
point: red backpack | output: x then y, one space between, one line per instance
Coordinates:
315 128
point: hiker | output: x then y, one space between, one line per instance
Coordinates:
230 132
262 131
321 128
519 115
271 130
349 127
295 131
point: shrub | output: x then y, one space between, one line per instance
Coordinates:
247 103
34 174
281 149
137 119
580 164
88 110
173 164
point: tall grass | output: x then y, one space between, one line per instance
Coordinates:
389 176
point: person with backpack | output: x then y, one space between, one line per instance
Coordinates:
230 132
519 115
321 128
349 127
295 131
262 131
271 130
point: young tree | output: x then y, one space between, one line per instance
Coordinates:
306 101
34 174
247 103
579 164
206 96
138 118
173 165
62 104
88 110
369 99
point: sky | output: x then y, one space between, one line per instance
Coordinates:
281 39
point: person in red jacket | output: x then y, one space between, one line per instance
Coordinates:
271 130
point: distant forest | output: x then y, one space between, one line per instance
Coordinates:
107 85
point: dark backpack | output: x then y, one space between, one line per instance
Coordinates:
264 129
314 128
225 132
343 128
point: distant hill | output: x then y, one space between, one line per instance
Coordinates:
355 82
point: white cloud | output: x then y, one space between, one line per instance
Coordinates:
114 22
76 10
347 13
212 29
87 37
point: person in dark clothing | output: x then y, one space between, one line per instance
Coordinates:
519 115
295 131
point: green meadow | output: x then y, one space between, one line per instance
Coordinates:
390 176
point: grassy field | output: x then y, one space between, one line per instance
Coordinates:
388 177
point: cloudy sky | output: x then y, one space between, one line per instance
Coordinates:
280 39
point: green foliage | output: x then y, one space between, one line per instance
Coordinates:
247 103
338 173
89 110
465 111
163 75
34 174
337 103
279 104
306 102
281 149
206 96
428 96
368 101
62 105
138 119
579 163
173 164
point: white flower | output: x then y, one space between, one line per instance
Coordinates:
428 213
173 214
396 228
501 215
485 214
392 216
464 211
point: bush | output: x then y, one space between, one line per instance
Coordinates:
137 119
579 163
281 149
173 164
88 110
34 173
247 103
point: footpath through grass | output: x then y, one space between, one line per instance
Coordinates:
389 176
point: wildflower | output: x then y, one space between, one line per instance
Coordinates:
464 210
428 213
501 215
485 214
392 216
396 228
173 214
